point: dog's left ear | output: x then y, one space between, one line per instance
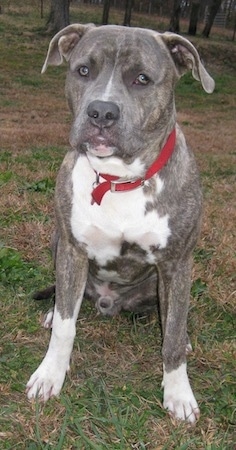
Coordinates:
186 57
63 43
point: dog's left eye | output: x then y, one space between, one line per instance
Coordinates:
83 71
142 79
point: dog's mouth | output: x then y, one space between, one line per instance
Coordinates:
99 146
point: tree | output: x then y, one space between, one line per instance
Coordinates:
213 9
105 14
58 16
234 32
128 10
192 29
174 19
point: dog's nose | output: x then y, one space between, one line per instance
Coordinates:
103 114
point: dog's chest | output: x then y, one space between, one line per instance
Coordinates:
121 217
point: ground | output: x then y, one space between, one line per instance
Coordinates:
112 396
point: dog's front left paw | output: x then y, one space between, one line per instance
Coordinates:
45 382
178 396
182 407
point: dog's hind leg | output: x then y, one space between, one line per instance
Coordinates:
45 294
48 319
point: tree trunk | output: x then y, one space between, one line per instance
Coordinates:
150 7
192 30
234 32
174 19
105 14
214 8
59 15
128 10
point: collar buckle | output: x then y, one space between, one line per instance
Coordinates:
123 185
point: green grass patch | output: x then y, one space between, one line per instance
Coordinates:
5 177
13 268
45 186
190 94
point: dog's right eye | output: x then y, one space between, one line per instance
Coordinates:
83 71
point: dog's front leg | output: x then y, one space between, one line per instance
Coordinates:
71 276
174 292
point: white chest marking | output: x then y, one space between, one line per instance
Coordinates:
120 217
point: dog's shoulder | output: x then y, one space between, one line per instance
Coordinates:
64 187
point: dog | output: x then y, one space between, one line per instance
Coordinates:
128 197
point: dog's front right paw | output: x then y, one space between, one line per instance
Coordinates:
178 396
45 382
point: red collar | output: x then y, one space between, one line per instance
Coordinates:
116 184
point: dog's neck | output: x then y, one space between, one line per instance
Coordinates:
115 183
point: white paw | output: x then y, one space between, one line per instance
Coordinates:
47 319
45 382
178 395
188 348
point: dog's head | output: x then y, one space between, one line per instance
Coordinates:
120 86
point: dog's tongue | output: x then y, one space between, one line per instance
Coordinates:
99 146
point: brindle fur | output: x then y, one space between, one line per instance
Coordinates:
144 276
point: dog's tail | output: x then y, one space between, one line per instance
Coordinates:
45 293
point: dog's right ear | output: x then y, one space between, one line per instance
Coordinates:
63 43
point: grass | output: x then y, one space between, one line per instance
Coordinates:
112 396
